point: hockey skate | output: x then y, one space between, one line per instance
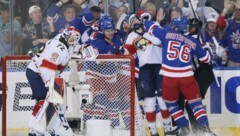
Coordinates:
205 131
184 131
33 132
171 131
153 134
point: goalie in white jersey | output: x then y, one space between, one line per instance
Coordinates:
43 75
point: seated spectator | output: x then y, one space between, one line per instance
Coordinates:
124 28
231 36
37 31
211 36
167 13
21 8
114 6
121 14
68 18
188 12
149 7
5 34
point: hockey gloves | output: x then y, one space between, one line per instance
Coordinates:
118 50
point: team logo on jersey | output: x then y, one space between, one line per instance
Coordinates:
140 43
236 40
54 56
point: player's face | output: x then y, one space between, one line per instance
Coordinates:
69 14
109 33
96 15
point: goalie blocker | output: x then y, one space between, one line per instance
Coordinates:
54 107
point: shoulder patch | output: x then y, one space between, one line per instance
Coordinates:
54 56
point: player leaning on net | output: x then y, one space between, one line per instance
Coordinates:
109 99
149 53
43 75
178 50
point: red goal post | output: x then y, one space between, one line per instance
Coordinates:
10 63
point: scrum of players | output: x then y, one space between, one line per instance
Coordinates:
164 58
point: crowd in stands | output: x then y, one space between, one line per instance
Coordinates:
37 21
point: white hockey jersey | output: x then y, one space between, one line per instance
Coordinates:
51 59
152 54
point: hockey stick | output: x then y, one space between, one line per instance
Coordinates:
217 46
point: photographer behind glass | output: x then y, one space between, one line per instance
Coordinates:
5 44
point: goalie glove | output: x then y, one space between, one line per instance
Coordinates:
85 51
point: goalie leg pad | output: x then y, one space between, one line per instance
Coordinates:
56 91
57 123
35 120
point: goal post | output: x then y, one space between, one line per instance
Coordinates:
4 89
106 74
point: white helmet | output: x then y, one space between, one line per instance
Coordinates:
71 35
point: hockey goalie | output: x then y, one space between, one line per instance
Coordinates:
48 88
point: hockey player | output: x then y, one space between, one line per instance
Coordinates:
149 53
49 62
178 50
108 100
110 40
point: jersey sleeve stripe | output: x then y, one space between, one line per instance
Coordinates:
130 48
206 58
177 71
49 64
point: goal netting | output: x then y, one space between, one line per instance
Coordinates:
97 89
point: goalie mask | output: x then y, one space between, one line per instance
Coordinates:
71 35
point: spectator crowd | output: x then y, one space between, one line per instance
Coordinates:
37 21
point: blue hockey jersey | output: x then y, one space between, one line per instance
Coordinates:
105 47
177 51
82 23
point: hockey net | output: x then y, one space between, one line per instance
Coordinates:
109 94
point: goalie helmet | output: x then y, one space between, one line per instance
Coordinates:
106 22
71 35
180 24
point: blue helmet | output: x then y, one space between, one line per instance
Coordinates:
181 23
106 22
126 18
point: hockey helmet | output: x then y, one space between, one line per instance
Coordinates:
181 23
106 22
71 35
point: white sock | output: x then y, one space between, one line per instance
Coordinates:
167 122
153 128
